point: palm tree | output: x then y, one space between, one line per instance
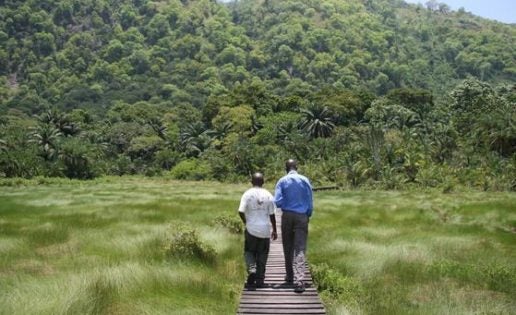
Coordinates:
3 145
60 121
222 130
46 136
75 155
318 121
194 138
159 128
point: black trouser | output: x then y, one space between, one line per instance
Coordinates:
294 231
256 251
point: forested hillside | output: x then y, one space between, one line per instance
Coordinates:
362 92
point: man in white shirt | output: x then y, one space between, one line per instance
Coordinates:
256 210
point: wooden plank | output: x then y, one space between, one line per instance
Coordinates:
261 313
284 294
244 310
279 291
259 306
290 304
280 299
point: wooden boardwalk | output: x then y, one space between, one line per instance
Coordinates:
278 298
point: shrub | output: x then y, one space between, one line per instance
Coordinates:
232 223
78 159
335 284
185 244
191 170
122 165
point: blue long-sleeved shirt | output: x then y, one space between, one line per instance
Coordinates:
294 193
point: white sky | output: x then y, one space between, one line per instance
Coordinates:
501 10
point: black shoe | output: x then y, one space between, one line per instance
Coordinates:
250 287
288 283
251 279
261 285
300 287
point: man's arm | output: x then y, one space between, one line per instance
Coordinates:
242 216
274 235
310 200
278 195
242 207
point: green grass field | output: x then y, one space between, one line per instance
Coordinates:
103 247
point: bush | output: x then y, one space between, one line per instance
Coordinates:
496 277
333 283
122 166
191 170
338 289
185 244
232 223
78 158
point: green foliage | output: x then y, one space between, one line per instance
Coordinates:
335 286
184 243
375 93
317 121
387 252
78 158
191 169
232 223
494 277
111 238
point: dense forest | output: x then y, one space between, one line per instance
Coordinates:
376 93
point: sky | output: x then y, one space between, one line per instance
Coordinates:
500 10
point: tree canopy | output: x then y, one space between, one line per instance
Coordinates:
361 91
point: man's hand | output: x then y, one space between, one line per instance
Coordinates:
274 235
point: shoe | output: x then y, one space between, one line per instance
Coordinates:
288 283
261 285
251 279
300 287
250 287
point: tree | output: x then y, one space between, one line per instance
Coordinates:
417 100
46 136
317 121
240 118
3 145
158 127
77 157
194 139
472 99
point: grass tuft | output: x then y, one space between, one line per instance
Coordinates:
186 244
231 222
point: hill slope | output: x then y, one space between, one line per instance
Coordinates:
93 53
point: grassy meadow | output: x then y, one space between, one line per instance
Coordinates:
379 252
99 247
104 247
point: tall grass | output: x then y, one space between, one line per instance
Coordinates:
100 247
103 247
415 252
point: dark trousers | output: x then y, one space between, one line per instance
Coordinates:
256 251
294 231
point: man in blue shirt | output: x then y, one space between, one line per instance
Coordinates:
293 195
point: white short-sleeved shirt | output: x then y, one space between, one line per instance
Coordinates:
257 204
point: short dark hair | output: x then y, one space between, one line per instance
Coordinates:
290 165
257 179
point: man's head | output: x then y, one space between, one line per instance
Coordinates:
257 179
291 165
